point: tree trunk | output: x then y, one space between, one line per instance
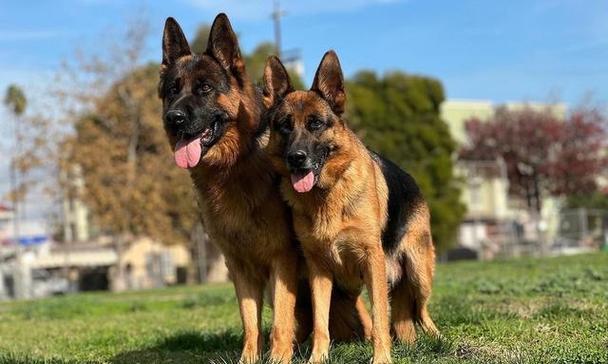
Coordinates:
197 271
217 270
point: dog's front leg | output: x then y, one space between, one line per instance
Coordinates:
375 279
284 280
250 297
321 285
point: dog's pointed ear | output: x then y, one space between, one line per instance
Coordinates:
277 83
223 45
329 82
175 44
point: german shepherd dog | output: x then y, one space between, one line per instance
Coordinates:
213 119
359 218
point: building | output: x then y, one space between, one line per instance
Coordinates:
15 279
39 267
76 227
209 265
456 112
292 59
496 224
6 217
50 268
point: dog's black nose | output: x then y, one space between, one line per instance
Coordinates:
175 117
296 159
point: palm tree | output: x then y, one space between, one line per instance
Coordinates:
16 102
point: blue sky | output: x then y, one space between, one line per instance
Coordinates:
498 50
532 50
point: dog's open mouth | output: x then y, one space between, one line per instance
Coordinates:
303 181
188 152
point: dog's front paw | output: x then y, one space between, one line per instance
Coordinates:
249 358
281 356
319 358
382 358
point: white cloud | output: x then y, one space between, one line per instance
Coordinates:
254 10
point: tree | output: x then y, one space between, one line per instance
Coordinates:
132 186
544 154
201 37
595 200
16 102
580 156
398 116
254 62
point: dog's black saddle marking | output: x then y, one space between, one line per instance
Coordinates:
404 196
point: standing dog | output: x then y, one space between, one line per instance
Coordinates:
213 119
359 218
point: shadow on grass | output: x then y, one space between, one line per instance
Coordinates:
187 347
180 348
224 348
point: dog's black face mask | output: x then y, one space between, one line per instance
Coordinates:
304 150
192 114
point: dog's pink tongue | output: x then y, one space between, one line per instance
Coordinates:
188 153
303 183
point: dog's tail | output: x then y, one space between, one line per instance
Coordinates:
348 316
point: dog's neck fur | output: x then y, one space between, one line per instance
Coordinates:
250 163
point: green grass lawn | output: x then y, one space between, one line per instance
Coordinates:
551 310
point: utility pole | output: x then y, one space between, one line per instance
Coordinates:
19 276
277 13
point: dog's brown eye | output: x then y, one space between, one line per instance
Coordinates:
175 87
285 126
315 123
203 89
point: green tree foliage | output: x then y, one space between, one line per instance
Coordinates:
398 116
254 61
595 200
15 100
199 42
